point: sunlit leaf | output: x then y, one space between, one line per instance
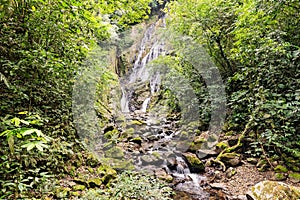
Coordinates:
29 145
5 132
23 113
16 121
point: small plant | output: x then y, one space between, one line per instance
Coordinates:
129 185
22 149
19 128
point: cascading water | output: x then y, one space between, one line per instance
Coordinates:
124 101
156 136
140 72
145 104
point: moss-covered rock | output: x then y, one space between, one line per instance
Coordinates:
138 140
78 187
163 175
195 146
294 177
197 143
184 134
195 164
106 170
149 159
110 175
137 122
128 133
75 193
272 190
119 164
62 192
199 140
94 182
262 165
279 176
107 173
156 154
280 168
114 152
110 134
231 159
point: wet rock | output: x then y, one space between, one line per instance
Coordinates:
109 127
205 153
218 175
153 121
193 190
272 190
146 146
178 178
152 137
212 140
149 159
171 163
194 163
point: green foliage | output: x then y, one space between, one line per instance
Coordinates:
256 47
124 13
42 45
21 154
210 23
130 185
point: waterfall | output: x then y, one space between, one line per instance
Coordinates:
124 101
150 49
145 104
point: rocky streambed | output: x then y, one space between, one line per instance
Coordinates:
149 143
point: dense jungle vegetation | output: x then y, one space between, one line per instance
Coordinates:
43 43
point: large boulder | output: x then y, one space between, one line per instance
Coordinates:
272 190
195 164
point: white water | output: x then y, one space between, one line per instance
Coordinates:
124 102
150 49
145 104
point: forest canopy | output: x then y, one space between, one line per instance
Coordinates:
255 44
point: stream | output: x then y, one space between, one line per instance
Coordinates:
155 146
